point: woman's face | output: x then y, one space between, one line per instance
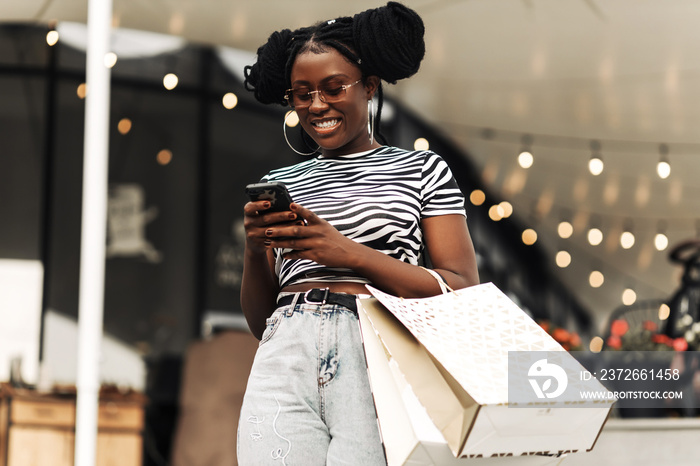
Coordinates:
341 127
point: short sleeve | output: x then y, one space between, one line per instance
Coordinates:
440 193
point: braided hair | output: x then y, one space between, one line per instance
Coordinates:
386 42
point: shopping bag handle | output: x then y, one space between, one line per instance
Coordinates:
444 287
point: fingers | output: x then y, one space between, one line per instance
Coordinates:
255 213
292 238
305 214
285 230
257 221
279 233
254 207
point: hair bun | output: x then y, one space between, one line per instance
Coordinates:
390 41
266 78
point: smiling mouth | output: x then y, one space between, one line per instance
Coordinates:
326 125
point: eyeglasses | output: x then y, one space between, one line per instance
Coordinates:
329 93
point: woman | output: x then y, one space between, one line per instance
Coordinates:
363 213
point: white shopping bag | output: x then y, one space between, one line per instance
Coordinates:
458 381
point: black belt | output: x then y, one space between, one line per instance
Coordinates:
320 296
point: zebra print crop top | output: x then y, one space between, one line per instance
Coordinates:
376 198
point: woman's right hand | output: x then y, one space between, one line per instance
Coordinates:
259 284
256 221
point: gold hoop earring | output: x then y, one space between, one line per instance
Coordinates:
284 130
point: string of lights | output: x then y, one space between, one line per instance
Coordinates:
592 223
595 147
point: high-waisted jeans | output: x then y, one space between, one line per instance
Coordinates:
308 400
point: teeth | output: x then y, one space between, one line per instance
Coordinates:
326 124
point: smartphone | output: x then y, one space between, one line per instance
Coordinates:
275 192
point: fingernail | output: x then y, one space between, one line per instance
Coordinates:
266 204
267 242
292 216
268 232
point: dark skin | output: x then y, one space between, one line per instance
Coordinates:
446 237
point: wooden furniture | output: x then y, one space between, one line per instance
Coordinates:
39 430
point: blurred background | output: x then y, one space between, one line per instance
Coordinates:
570 125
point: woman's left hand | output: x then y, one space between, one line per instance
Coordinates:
317 240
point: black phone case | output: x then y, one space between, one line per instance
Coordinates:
275 192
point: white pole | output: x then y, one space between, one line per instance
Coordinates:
94 223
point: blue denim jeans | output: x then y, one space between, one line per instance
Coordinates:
308 400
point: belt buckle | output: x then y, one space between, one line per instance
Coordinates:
320 303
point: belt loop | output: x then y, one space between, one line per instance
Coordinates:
292 306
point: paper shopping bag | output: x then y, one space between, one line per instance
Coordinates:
449 405
408 434
452 350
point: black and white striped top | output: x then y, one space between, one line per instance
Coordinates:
376 198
